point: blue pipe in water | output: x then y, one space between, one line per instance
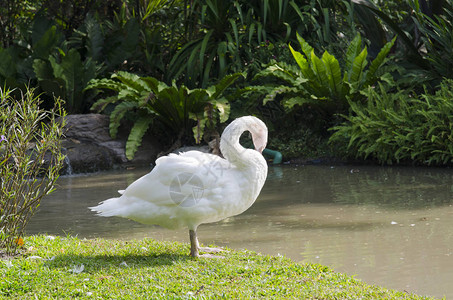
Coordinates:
275 155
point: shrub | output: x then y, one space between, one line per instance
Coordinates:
30 161
179 108
394 127
321 82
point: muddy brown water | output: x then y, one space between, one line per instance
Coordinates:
388 226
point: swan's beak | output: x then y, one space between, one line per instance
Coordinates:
259 141
260 149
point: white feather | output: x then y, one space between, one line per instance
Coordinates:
192 188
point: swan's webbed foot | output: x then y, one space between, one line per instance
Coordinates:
210 250
195 248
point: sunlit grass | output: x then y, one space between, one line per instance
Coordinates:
67 267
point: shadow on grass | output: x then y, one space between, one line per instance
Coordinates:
109 261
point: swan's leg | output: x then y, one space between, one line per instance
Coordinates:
193 243
195 247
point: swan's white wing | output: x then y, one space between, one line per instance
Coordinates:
182 190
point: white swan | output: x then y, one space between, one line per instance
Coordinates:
193 188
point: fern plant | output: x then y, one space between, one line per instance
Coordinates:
179 108
320 81
394 127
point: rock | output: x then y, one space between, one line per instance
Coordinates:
87 157
90 148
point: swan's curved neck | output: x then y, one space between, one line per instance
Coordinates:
230 147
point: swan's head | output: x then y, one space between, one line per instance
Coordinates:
259 132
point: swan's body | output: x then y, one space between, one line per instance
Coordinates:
193 188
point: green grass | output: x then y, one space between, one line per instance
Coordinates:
148 269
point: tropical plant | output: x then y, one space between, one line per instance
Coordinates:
320 81
30 161
425 37
394 127
221 37
181 109
46 60
436 34
66 78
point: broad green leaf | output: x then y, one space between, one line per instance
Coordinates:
358 67
291 102
95 38
101 104
7 63
333 74
306 48
47 43
320 70
71 71
198 130
224 83
304 66
106 84
136 135
223 106
117 114
133 81
352 52
281 71
378 61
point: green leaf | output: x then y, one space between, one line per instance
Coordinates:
291 102
223 107
300 59
333 74
136 135
224 83
117 114
320 70
352 52
101 104
95 38
281 71
378 61
306 48
198 130
7 63
133 81
204 45
106 84
358 67
72 72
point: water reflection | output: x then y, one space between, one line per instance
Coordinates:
389 226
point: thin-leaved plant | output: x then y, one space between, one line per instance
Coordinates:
30 161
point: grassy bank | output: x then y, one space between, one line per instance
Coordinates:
65 268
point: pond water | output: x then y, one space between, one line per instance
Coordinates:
389 226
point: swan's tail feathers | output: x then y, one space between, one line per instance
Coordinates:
121 192
107 208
